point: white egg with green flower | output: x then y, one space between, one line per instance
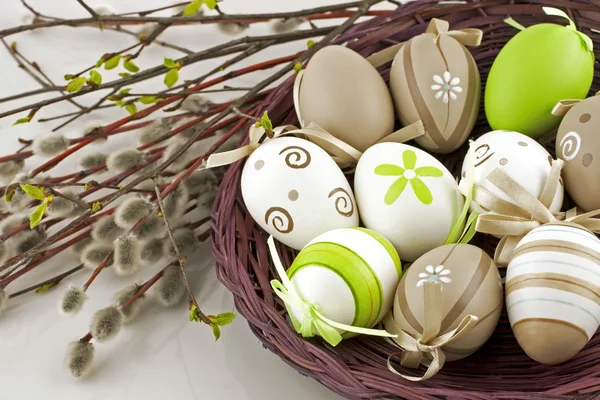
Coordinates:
408 196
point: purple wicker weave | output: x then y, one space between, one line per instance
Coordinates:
357 367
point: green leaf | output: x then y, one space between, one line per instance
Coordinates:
211 4
95 77
192 8
112 62
169 63
298 67
395 190
216 331
68 77
130 66
124 74
310 43
171 77
125 91
266 123
131 108
76 84
33 192
10 192
224 318
194 315
148 99
99 62
96 207
37 215
46 287
120 103
159 214
23 120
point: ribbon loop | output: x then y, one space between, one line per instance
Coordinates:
468 37
560 13
562 107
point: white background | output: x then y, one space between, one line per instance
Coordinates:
162 355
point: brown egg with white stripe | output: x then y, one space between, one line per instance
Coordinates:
553 291
435 79
470 286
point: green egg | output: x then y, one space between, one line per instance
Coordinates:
540 66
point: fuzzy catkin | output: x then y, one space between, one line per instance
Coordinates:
50 145
127 255
180 162
171 287
8 169
61 207
175 202
123 296
106 230
146 29
285 25
106 323
103 9
153 131
196 103
152 251
80 246
91 129
25 241
93 160
186 241
79 358
3 300
131 211
153 227
125 160
200 182
93 254
11 222
232 28
71 301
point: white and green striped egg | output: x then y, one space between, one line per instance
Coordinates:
349 274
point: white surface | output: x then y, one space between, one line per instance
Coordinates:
162 355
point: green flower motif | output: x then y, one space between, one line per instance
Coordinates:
408 174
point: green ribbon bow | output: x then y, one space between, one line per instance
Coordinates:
312 320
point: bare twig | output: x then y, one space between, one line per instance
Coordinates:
52 281
88 9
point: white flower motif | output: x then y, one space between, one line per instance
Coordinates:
446 87
437 274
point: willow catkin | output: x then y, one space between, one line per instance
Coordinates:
106 230
232 28
92 159
79 358
130 211
200 181
50 145
171 287
151 228
123 296
196 103
91 128
93 254
186 241
80 246
175 202
145 30
152 251
61 207
127 255
285 25
3 300
153 131
106 323
103 9
12 222
25 241
125 160
9 169
71 301
180 162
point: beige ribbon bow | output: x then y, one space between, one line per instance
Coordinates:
426 349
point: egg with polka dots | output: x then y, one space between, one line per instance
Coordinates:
522 158
578 144
295 191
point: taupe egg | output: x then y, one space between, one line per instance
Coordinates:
578 145
345 95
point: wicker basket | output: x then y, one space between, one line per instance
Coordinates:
357 367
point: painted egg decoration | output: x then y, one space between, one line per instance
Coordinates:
345 95
539 66
295 191
435 79
349 274
520 157
471 285
408 196
552 291
578 144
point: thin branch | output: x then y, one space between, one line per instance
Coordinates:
52 281
88 9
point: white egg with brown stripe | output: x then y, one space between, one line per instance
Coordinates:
470 286
295 191
349 274
553 291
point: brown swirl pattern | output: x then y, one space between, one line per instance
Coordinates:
296 157
482 154
343 202
280 219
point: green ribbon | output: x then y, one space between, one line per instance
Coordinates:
312 319
458 234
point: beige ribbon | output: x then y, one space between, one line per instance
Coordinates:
563 106
426 349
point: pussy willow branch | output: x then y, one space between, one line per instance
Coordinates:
364 6
52 281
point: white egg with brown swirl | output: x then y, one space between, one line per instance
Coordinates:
295 191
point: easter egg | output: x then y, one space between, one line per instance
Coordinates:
578 145
408 196
435 79
345 95
470 286
519 156
538 67
349 274
295 191
552 291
